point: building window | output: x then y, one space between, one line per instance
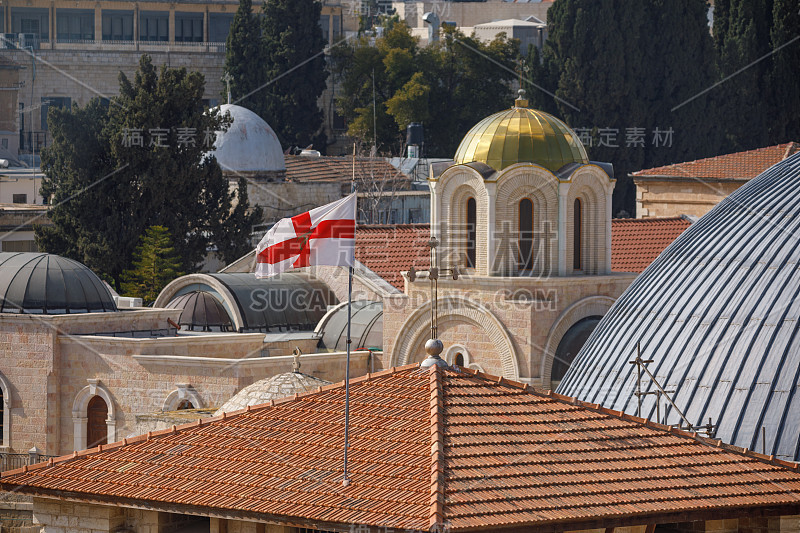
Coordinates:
324 23
459 360
53 101
472 233
34 22
74 25
337 27
19 198
577 233
189 27
526 234
154 26
96 427
219 25
117 25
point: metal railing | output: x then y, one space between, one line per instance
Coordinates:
19 41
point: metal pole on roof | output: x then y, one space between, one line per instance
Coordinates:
345 479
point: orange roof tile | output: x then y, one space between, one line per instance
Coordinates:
739 165
340 169
429 447
389 249
636 242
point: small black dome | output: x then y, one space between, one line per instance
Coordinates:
38 283
201 312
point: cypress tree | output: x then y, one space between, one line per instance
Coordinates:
784 91
619 68
244 61
295 71
742 36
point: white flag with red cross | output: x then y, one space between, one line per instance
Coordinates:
323 236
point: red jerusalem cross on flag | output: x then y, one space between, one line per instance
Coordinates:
323 236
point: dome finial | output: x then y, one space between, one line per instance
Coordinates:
521 101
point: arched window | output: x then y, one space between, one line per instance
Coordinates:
472 232
577 232
459 360
185 404
525 234
569 346
96 427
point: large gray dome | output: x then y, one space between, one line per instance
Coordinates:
38 283
718 314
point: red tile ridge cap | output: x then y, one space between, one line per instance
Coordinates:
437 449
791 147
693 435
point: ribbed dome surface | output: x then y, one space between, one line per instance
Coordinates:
718 313
39 283
202 312
521 135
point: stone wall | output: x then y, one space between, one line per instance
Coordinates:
288 198
27 360
84 74
676 197
55 516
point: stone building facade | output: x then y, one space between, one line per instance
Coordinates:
694 187
52 366
81 47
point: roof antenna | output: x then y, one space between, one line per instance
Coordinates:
434 346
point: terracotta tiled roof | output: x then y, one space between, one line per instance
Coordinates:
339 169
389 249
428 447
740 165
636 242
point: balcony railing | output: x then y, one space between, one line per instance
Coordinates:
26 40
12 461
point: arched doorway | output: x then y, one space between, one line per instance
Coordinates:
571 343
96 426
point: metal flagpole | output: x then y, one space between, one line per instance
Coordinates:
345 479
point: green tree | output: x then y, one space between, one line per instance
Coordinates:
111 174
233 233
244 61
155 264
784 91
620 68
295 71
448 86
742 36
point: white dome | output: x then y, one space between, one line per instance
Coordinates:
249 145
274 388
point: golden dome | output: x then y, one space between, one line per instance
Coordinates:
520 135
